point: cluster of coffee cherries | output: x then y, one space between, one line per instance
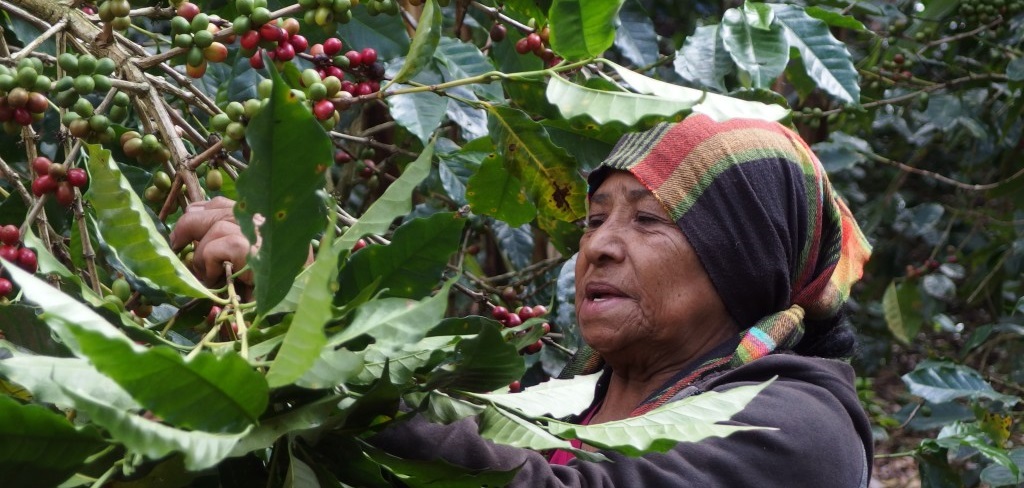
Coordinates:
193 30
57 179
84 123
362 65
930 264
231 123
977 12
522 314
328 13
115 12
146 149
281 41
366 168
537 43
23 94
12 250
157 190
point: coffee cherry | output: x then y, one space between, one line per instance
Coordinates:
499 313
522 46
78 177
43 185
525 313
513 320
534 348
515 387
214 180
188 11
270 32
10 235
361 243
65 194
41 165
332 46
533 41
368 56
250 40
540 310
284 52
898 58
211 317
323 109
299 43
342 157
498 32
546 327
121 289
354 59
9 253
27 259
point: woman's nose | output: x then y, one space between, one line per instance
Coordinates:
606 243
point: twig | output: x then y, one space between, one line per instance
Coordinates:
243 331
496 14
37 206
205 155
16 181
939 177
172 198
999 77
87 251
59 26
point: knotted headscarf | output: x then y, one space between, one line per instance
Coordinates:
757 207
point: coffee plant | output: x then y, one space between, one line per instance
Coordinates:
414 173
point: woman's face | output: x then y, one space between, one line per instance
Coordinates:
641 293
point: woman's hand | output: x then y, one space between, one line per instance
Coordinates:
218 239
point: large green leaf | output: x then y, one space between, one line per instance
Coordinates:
757 45
901 304
22 326
493 191
455 168
464 60
688 420
133 238
424 42
43 375
692 60
941 381
280 188
548 172
385 33
153 439
305 337
41 448
554 398
308 417
582 28
826 59
231 393
411 265
437 473
970 435
589 143
395 202
393 322
634 34
482 363
504 427
332 368
420 113
404 363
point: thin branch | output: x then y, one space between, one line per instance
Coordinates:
15 180
962 35
59 26
498 15
1000 77
939 177
18 11
88 253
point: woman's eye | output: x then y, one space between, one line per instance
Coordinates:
647 219
594 222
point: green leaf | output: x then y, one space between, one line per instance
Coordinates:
411 265
457 167
290 152
548 172
395 202
826 59
762 53
133 238
493 191
464 60
385 33
22 326
153 439
505 428
482 363
296 421
424 42
940 382
554 398
691 419
996 475
43 375
588 143
835 19
332 368
299 474
231 393
901 304
406 361
634 34
41 448
420 113
582 29
692 59
305 338
395 321
963 434
437 473
444 409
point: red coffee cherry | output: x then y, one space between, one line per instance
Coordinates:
27 260
10 235
6 287
499 313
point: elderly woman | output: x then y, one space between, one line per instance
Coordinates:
716 255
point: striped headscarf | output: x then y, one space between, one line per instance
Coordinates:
757 207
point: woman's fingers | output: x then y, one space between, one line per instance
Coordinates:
198 219
223 242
